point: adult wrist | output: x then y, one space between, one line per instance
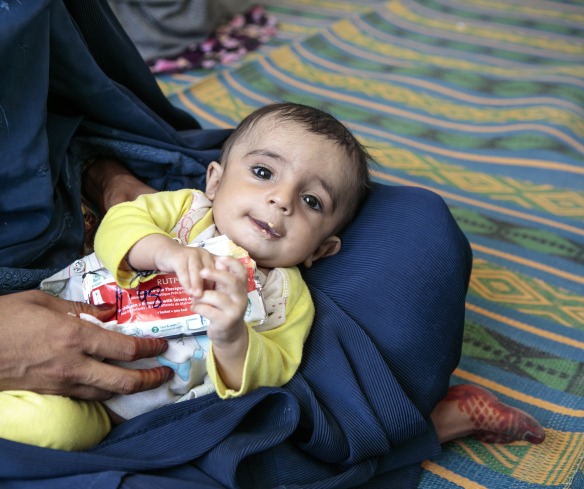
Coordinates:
106 182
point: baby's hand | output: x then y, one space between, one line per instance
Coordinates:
160 252
225 304
187 263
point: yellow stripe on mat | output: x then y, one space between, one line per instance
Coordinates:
451 476
497 208
526 327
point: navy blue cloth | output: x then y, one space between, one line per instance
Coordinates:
75 77
389 306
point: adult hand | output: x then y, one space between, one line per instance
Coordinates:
46 348
107 182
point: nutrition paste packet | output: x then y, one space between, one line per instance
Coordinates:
159 307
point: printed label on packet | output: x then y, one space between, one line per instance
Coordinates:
159 307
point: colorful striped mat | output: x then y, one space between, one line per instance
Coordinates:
481 101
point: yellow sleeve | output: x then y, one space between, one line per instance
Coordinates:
127 223
273 356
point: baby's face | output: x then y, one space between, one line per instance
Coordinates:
281 195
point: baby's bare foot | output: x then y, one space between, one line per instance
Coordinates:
492 420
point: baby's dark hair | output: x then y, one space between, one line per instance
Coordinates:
317 122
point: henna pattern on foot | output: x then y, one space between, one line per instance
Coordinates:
492 420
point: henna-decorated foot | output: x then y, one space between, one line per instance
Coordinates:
491 420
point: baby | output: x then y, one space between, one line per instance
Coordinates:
290 178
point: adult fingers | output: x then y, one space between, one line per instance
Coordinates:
104 379
110 345
99 378
94 340
103 312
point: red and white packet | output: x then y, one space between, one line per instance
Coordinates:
159 307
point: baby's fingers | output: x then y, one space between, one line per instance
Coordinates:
224 311
189 274
229 276
232 265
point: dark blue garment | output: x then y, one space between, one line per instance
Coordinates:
54 90
389 306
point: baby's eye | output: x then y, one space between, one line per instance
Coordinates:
312 202
262 172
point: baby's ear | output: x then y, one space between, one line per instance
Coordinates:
214 174
330 246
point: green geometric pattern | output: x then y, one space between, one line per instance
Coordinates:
502 352
526 294
530 238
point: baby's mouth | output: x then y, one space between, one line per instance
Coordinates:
267 227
